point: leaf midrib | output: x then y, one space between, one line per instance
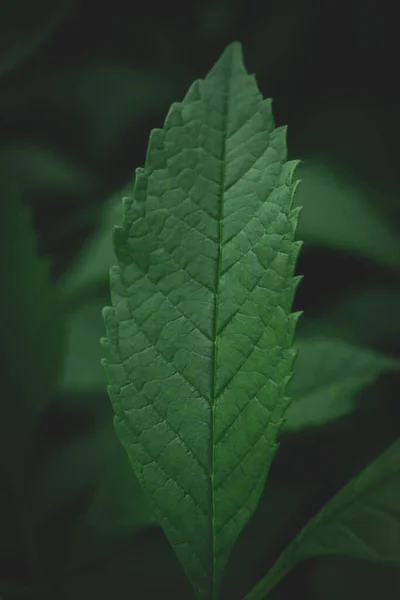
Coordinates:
215 323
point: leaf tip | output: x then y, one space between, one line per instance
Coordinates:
231 57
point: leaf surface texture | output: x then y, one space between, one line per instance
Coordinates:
198 350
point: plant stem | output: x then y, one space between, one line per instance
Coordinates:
279 570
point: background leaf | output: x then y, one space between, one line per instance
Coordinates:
118 506
24 26
90 271
32 335
328 373
82 370
339 214
199 338
32 345
362 521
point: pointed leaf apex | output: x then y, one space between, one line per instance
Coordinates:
231 59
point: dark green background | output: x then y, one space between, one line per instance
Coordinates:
81 86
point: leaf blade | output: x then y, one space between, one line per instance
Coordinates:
201 304
30 320
328 374
339 214
339 528
32 342
376 491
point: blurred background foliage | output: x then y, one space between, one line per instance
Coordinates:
81 85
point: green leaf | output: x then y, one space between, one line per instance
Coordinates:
31 324
90 271
118 506
32 332
328 374
341 215
43 171
362 521
279 508
82 372
198 353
